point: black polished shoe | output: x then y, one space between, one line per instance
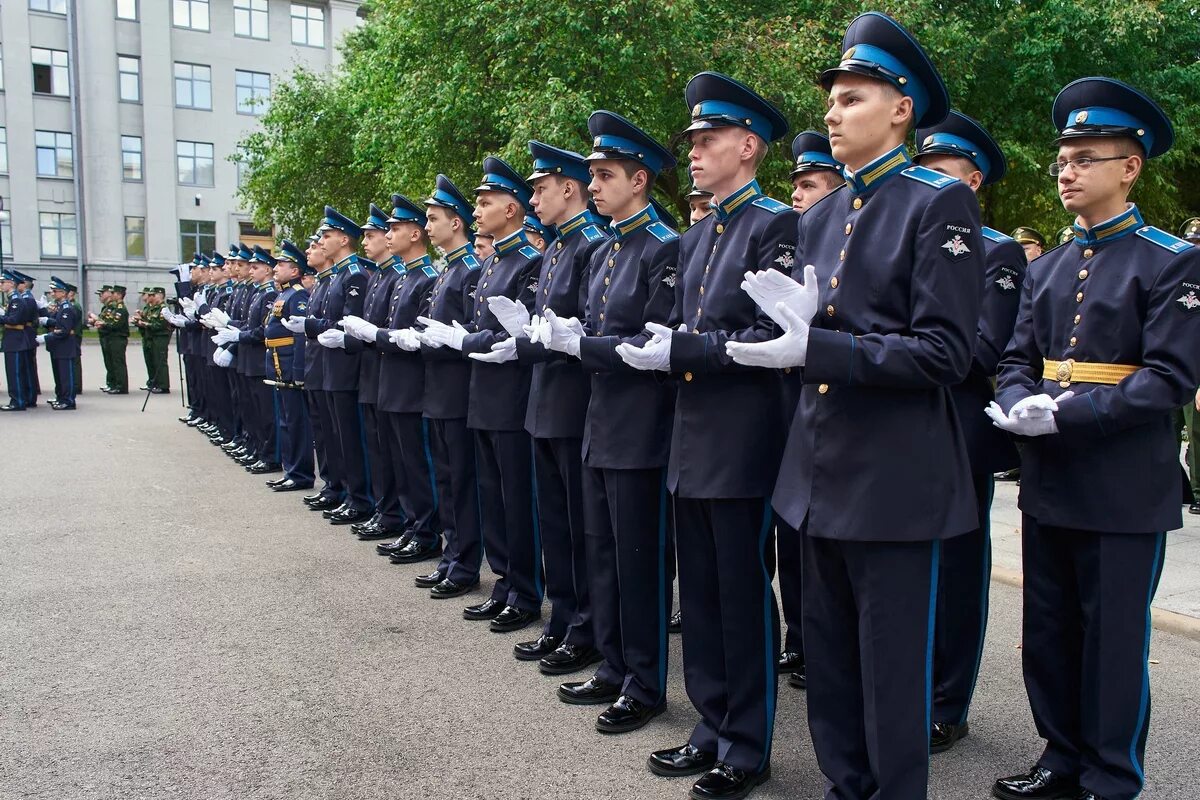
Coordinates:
329 512
627 714
289 485
370 533
265 468
195 422
185 418
448 588
367 526
488 609
1087 794
512 619
1194 508
319 502
349 516
724 782
1037 784
63 406
592 692
533 651
230 446
11 407
1009 475
943 735
799 679
395 546
156 390
680 761
273 482
568 658
247 460
790 662
675 623
415 551
425 581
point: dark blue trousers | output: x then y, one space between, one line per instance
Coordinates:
386 481
261 412
350 439
322 429
868 636
790 563
1086 642
504 469
558 465
407 440
730 626
66 382
628 524
16 373
295 435
452 447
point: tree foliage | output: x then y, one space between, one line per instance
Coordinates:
429 86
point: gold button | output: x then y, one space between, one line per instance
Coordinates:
554 260
842 256
687 376
849 228
829 310
1083 273
602 316
549 275
606 280
787 370
1077 318
616 245
857 202
823 388
545 291
612 263
1079 297
699 311
479 313
701 290
485 284
833 282
604 298
1074 341
720 228
489 272
1089 253
558 245
695 330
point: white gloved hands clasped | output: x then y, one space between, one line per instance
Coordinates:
559 334
439 334
655 354
359 328
333 339
501 352
511 315
226 336
1031 416
222 357
771 287
406 339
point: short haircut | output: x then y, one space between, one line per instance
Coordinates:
630 168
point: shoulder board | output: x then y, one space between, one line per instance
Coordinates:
592 233
429 271
529 251
929 177
770 204
661 231
1164 239
353 269
472 262
993 235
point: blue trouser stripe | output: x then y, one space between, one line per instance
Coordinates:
537 531
429 462
930 623
771 648
662 587
1144 703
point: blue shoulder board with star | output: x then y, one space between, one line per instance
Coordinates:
661 231
770 204
993 235
429 271
1164 239
591 233
472 262
529 251
929 177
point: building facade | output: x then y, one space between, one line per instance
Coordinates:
118 119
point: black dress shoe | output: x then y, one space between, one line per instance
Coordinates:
533 651
230 446
675 623
627 714
568 658
1009 475
265 468
943 735
11 407
247 460
329 512
1037 784
1194 508
799 678
156 390
118 391
197 422
724 782
790 662
680 761
448 588
185 418
63 406
488 609
414 551
395 546
425 581
592 692
289 485
370 534
1087 794
370 524
349 516
512 619
275 481
319 502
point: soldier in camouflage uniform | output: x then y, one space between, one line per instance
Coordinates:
112 325
156 338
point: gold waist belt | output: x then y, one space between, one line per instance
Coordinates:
282 341
1072 371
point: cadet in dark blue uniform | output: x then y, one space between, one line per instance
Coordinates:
959 147
252 347
627 430
876 471
499 394
333 489
284 363
1104 351
20 331
723 467
63 345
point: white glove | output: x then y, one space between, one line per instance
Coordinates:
41 302
216 316
43 320
439 334
178 320
501 351
186 303
332 339
511 315
359 328
189 312
226 336
564 334
655 354
294 324
1023 426
222 357
406 339
41 338
538 330
771 287
789 350
1038 406
349 322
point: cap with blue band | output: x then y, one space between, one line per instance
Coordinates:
719 101
962 136
1108 107
614 137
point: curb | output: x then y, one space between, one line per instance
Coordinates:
1163 620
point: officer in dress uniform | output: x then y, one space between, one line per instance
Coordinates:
333 488
961 148
1094 390
1030 240
403 432
499 394
193 360
223 427
723 518
884 325
62 343
284 363
20 331
252 348
626 433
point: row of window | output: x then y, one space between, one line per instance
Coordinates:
59 236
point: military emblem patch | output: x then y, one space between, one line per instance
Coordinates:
1189 300
786 257
669 275
353 291
956 248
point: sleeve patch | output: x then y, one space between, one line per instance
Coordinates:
786 257
1009 280
669 275
955 248
770 204
1188 300
1164 239
929 177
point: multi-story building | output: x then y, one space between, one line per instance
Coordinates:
118 119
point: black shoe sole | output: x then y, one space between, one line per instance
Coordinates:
751 785
512 627
479 618
630 727
1003 795
666 772
521 655
963 733
564 670
796 681
398 559
573 700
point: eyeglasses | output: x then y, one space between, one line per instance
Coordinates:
1080 164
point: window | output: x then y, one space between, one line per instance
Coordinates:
53 6
135 237
127 9
54 157
6 238
58 235
50 71
3 149
250 18
253 91
193 86
308 25
1 70
194 161
243 171
129 71
131 158
190 14
196 236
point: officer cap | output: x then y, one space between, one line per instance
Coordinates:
532 223
377 220
811 153
1190 229
498 176
614 137
8 275
336 221
245 252
196 259
959 135
877 46
23 278
105 288
1108 107
446 195
696 194
663 214
58 283
1027 235
217 260
158 290
118 288
549 160
405 210
146 290
262 256
719 101
288 251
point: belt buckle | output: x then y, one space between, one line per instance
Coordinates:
1063 374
